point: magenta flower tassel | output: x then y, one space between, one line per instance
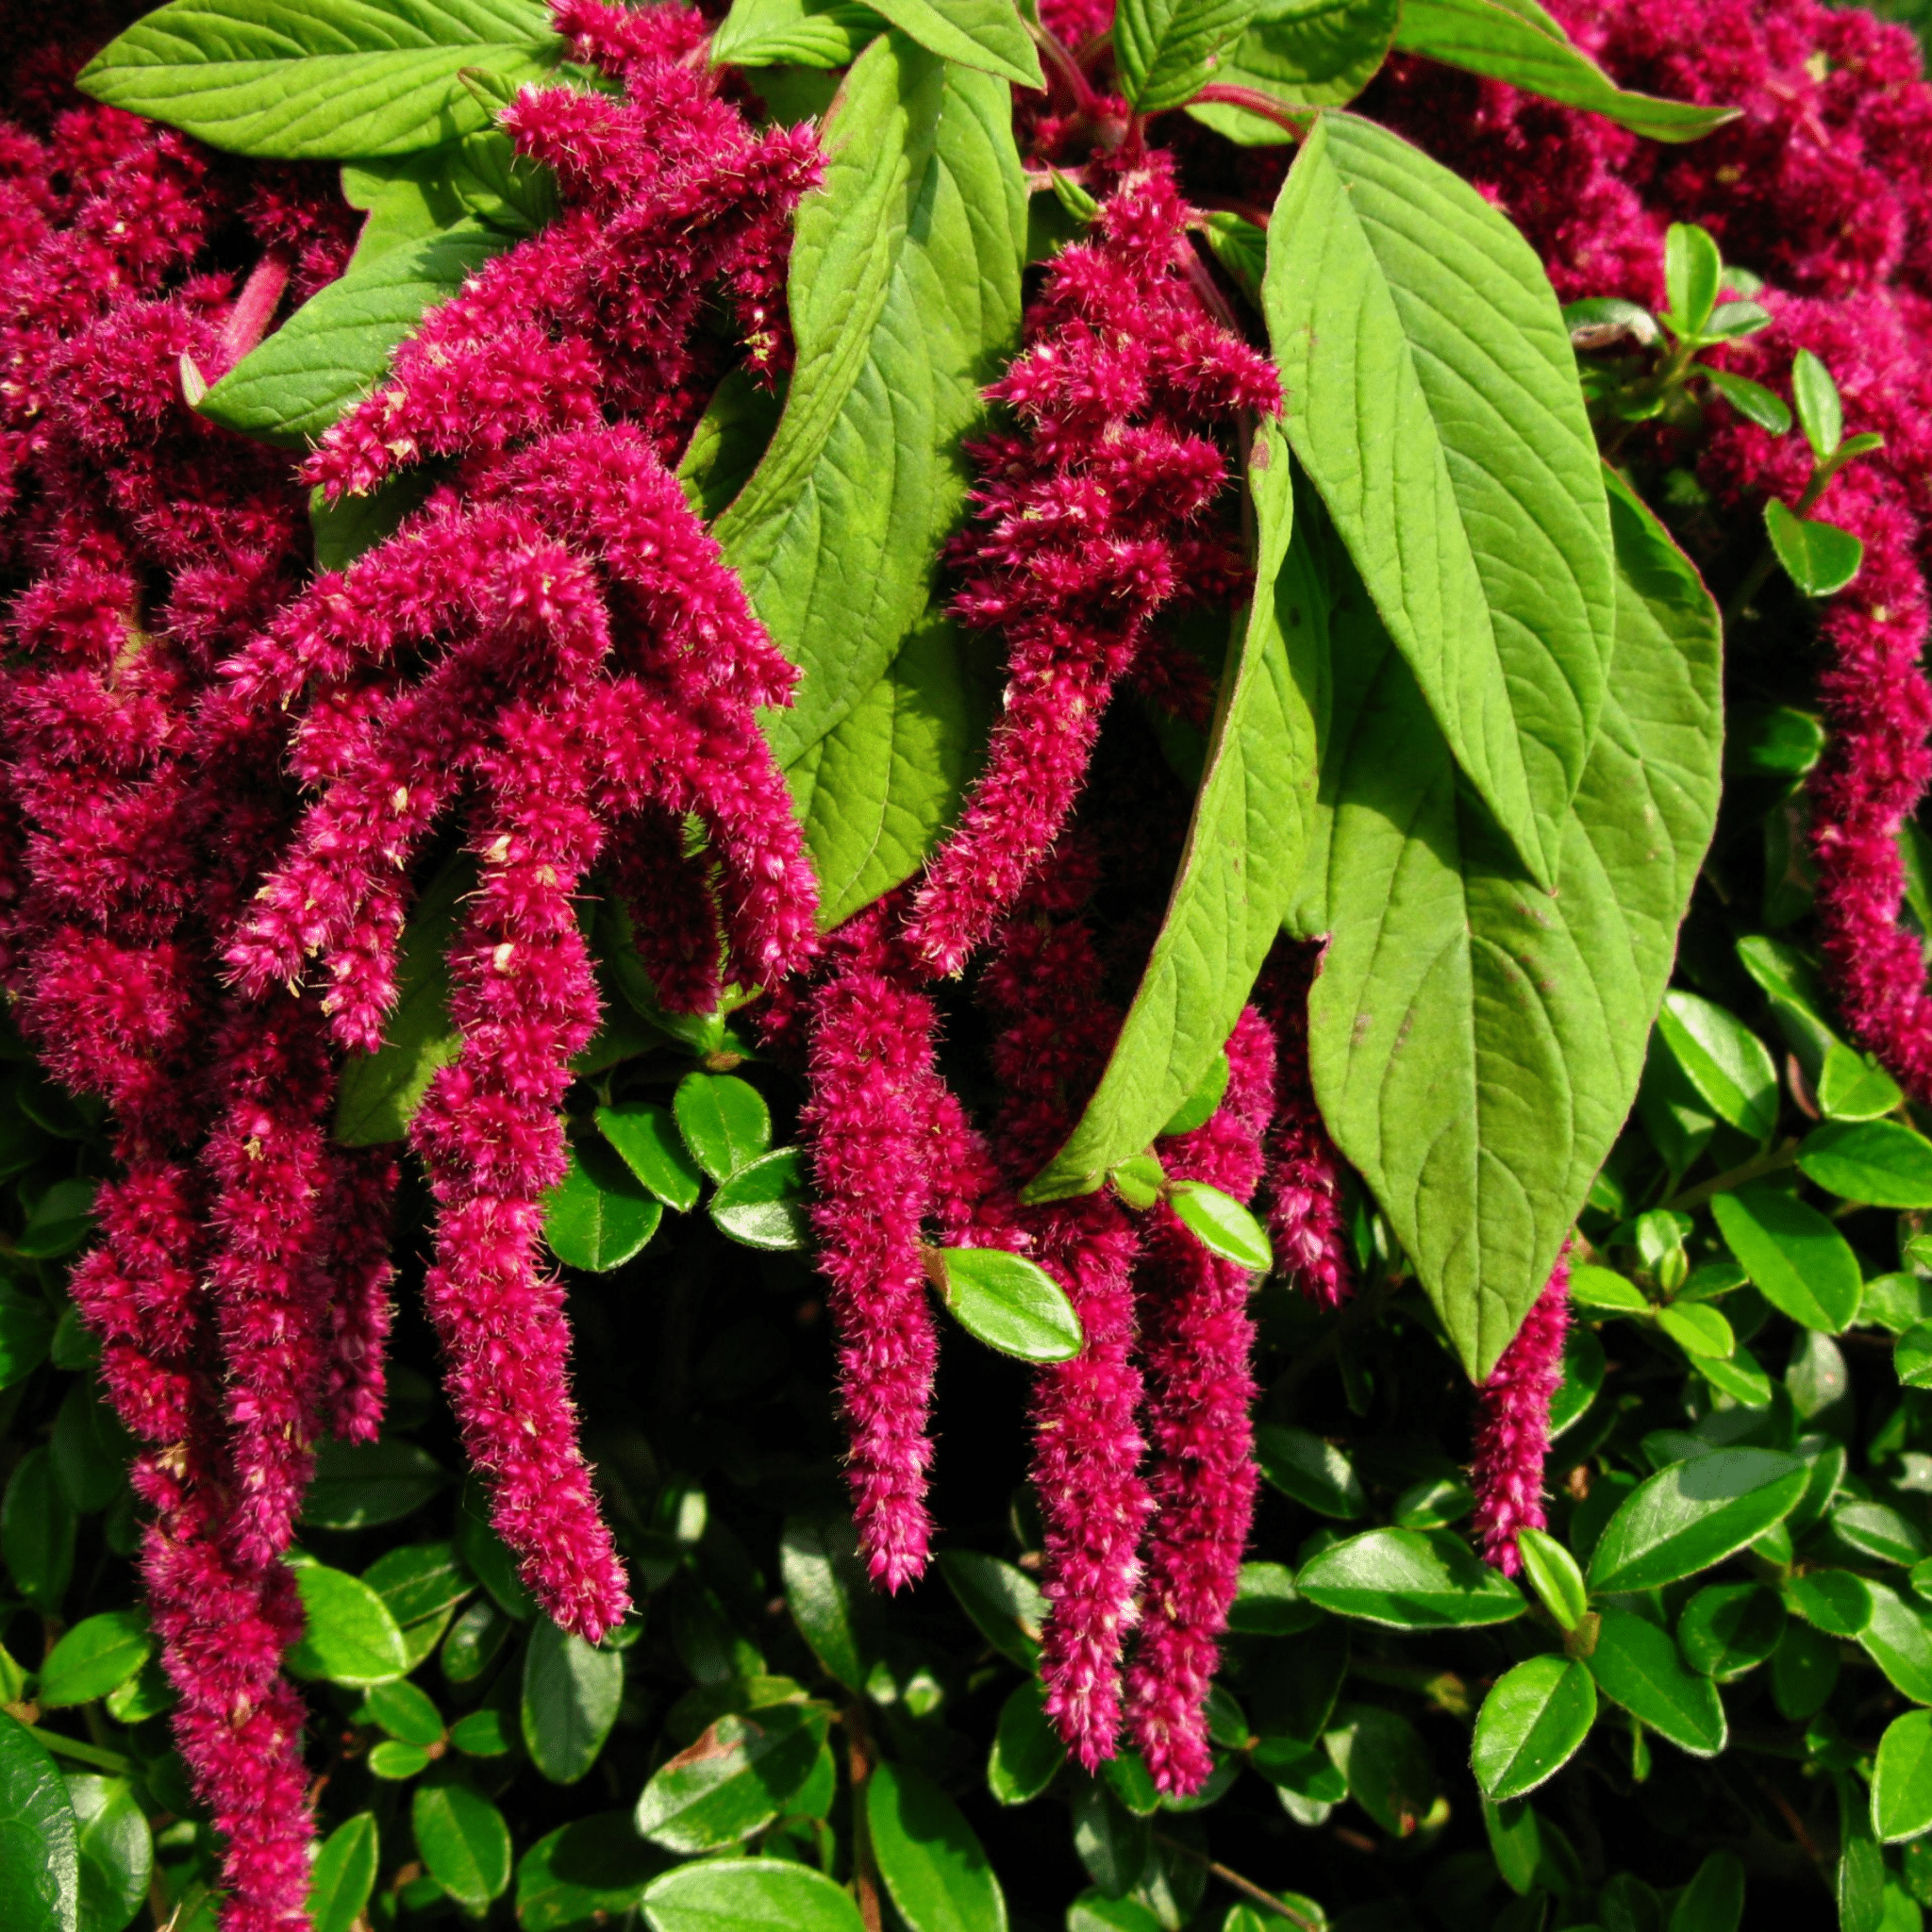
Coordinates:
871 1047
1303 1187
1512 1431
1198 1339
1092 519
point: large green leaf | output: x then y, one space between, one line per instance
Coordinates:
878 790
931 1860
1693 1514
1165 49
1531 1725
1432 395
1636 1664
1517 41
40 1864
986 34
1410 1579
904 288
1475 1043
1304 53
1244 854
748 1895
335 347
323 79
794 33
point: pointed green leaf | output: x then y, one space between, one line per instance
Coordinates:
1730 1628
1751 400
1305 54
1834 1601
570 1693
344 1877
348 1636
1009 1303
1531 1725
1222 1225
1555 1577
1898 1640
322 80
359 1484
1410 1579
986 34
1198 1108
1853 1088
1795 1257
1431 393
1882 1163
1475 1044
1901 1780
1164 49
794 33
1636 1665
1693 1514
1387 1764
829 1595
1820 412
1242 862
905 302
1819 558
37 1532
1002 1601
646 1136
591 1872
1727 1063
97 1656
879 789
1517 41
1316 1473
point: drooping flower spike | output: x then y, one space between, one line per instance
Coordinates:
1512 1431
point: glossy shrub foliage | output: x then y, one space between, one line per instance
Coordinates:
967 967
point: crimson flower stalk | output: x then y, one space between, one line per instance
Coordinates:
1093 516
1198 1339
1512 1433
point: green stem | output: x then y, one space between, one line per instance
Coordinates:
1228 1875
82 1754
1775 1162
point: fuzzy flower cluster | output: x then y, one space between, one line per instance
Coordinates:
1093 516
1512 1432
1823 188
551 652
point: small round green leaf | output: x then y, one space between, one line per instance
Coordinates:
404 1712
1009 1303
1592 1286
1882 1163
1026 1750
1138 1180
934 1866
1795 1257
570 1693
1879 1532
1819 558
1751 400
464 1842
1002 1600
395 1761
765 1204
1820 412
724 1120
1693 1514
1531 1725
1898 1638
344 1876
1315 1474
1911 1357
1410 1579
1714 1899
481 1733
1698 1329
1267 1603
1386 1763
646 1136
349 1636
1730 1628
359 1484
97 1656
1637 1665
27 1331
1852 1088
116 1849
600 1215
1901 1780
748 1895
1222 1225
